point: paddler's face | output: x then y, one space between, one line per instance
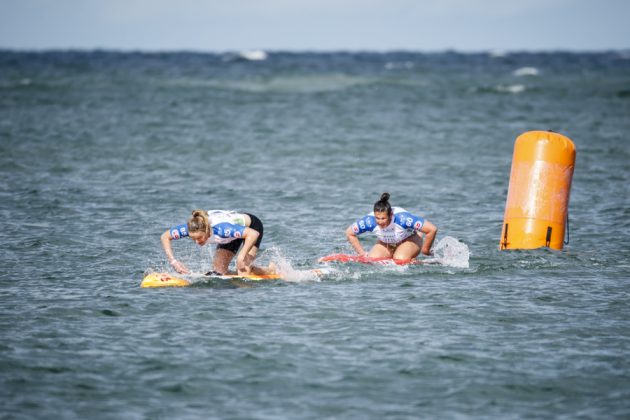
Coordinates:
200 237
382 219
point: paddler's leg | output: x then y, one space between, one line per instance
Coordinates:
256 270
256 224
381 250
222 259
409 248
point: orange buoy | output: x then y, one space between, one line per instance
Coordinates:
537 205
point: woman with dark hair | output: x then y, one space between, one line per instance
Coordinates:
399 232
229 230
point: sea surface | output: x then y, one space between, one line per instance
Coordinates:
102 151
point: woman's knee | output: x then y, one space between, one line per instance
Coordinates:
222 259
380 251
409 249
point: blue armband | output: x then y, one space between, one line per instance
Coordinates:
227 230
179 231
408 220
365 224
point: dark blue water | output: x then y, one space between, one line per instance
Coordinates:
100 152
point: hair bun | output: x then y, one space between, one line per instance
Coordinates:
384 197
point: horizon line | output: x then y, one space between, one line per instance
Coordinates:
496 51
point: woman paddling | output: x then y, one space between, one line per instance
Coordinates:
399 232
230 230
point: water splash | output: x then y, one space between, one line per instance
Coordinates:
451 252
289 273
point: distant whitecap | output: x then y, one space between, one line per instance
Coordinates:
497 54
511 88
253 55
526 71
400 65
293 84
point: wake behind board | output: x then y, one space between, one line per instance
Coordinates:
347 258
168 280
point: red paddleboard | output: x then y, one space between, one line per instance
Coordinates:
345 258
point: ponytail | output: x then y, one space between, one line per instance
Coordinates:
198 221
383 205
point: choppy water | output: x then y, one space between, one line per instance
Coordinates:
100 152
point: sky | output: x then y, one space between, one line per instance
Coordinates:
315 25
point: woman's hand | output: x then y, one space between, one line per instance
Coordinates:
242 266
246 256
430 230
354 241
178 266
166 244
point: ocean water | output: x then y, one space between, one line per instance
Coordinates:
100 152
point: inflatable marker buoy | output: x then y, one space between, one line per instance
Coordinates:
536 210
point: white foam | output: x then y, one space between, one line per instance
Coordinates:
526 71
288 272
514 89
498 54
397 65
253 55
451 252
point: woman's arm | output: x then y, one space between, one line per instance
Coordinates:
354 241
430 230
166 244
244 259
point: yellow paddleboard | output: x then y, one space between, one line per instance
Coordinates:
163 280
168 280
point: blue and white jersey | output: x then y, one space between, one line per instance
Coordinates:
226 227
403 225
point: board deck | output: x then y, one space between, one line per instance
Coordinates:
169 280
346 258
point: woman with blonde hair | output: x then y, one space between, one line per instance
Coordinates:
230 230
